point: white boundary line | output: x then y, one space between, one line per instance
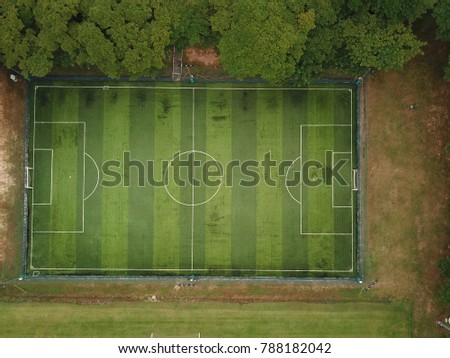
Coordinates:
186 88
333 181
31 219
301 186
174 270
84 171
351 165
193 187
202 87
51 176
61 122
325 125
58 232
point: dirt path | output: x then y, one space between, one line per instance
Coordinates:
12 107
5 178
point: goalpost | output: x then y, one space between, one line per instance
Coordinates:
177 64
355 180
28 184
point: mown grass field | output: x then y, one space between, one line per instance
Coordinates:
210 319
98 151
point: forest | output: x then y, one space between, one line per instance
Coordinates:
275 40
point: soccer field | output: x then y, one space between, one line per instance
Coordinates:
168 179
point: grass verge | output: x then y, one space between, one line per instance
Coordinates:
211 319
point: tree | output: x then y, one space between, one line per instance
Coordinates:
126 36
261 38
97 49
117 36
53 19
447 70
323 41
273 39
380 45
33 32
194 27
401 10
441 14
349 37
12 47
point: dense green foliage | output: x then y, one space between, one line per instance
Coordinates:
444 266
441 14
273 39
373 43
262 38
445 292
119 37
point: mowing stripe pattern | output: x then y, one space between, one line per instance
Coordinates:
118 182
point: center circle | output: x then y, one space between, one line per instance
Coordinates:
187 178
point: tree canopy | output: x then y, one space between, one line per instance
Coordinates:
441 14
116 36
272 39
128 36
374 43
261 37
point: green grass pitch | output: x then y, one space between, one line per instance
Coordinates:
293 319
106 196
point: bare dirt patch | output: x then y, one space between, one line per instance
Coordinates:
202 57
203 64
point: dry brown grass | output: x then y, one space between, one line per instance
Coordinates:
408 183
